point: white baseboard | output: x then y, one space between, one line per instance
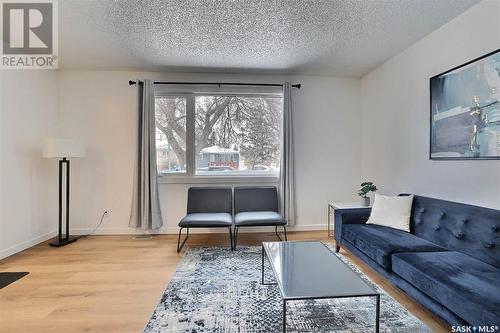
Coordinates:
175 230
27 244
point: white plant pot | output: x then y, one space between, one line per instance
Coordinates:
365 201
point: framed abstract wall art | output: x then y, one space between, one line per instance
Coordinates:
465 111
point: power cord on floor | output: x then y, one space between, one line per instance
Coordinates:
94 230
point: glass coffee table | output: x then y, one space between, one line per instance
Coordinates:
310 270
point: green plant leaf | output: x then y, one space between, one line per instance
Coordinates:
367 187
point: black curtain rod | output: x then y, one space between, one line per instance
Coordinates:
298 85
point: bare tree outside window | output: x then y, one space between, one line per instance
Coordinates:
171 120
233 134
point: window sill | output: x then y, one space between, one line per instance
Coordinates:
178 179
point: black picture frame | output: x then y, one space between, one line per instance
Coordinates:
461 158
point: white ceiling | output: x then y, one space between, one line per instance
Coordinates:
326 37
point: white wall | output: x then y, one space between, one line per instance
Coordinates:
395 114
99 107
28 204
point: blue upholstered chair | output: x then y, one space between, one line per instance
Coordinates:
207 207
256 207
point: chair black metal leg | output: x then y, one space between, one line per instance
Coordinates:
276 232
179 239
231 238
235 237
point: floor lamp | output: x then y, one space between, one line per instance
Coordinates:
63 149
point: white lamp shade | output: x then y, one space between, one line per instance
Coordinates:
63 148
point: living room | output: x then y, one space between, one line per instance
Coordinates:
272 113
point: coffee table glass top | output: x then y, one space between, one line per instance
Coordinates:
306 270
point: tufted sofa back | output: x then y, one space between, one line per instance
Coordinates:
469 229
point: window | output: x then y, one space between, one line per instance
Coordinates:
218 134
170 115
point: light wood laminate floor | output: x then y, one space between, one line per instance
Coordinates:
113 283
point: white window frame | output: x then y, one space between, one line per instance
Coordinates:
190 176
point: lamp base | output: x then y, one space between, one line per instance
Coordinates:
58 242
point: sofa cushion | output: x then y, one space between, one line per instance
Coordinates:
466 286
392 211
258 219
379 242
206 220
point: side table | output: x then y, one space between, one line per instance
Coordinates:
339 205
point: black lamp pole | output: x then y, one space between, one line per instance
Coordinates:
67 239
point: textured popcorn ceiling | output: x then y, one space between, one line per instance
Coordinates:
329 37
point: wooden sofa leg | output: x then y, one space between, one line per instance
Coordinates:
337 248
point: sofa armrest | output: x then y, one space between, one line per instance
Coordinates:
349 216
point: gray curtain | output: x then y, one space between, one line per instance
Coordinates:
287 167
146 213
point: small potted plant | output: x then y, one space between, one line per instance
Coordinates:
366 187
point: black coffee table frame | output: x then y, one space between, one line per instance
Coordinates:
286 299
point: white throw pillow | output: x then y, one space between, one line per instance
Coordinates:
392 212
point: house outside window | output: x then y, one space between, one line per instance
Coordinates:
218 134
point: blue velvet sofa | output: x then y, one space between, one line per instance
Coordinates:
449 262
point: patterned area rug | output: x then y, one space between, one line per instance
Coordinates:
216 290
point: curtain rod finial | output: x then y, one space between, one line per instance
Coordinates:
130 82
